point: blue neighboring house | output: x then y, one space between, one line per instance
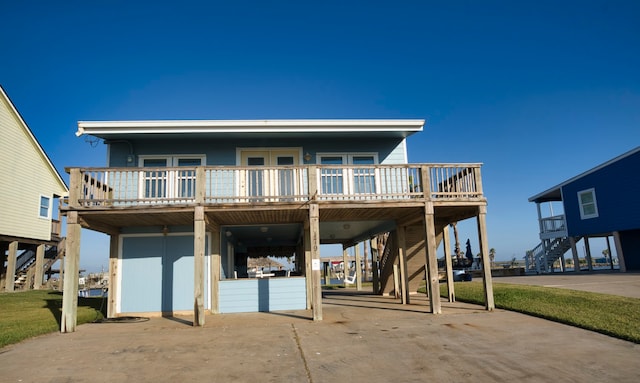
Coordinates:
188 203
601 202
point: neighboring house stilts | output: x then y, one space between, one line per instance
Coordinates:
601 202
187 204
30 187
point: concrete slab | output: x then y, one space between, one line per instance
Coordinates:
605 282
363 338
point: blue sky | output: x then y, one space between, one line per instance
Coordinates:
538 91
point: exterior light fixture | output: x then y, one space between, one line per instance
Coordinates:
307 157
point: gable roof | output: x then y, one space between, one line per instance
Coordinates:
35 142
555 193
121 129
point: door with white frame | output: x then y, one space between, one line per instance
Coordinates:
159 183
278 178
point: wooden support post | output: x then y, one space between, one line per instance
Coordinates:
486 262
199 236
402 258
62 266
69 317
574 253
345 263
373 245
326 269
358 267
432 259
39 271
112 292
201 184
308 245
621 262
587 255
307 265
446 241
365 253
215 270
314 236
396 281
76 191
3 271
12 257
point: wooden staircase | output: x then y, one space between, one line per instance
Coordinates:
26 264
541 260
415 256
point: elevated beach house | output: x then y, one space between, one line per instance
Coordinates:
29 190
188 203
601 202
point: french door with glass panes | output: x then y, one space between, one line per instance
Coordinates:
159 183
348 180
273 181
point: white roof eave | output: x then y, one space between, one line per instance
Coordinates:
245 126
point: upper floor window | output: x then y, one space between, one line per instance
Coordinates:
588 204
45 207
161 183
357 180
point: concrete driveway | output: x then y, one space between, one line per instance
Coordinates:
363 338
605 282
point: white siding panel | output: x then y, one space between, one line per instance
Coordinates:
24 175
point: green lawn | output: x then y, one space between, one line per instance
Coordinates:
31 313
607 314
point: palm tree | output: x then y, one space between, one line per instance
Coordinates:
492 255
605 253
457 244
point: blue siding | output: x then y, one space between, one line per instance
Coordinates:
267 294
141 274
223 151
157 274
617 189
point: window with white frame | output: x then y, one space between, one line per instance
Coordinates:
160 183
356 180
588 204
45 207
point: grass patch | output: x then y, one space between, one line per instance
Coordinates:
612 315
27 314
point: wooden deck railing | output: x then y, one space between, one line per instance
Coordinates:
553 227
122 187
